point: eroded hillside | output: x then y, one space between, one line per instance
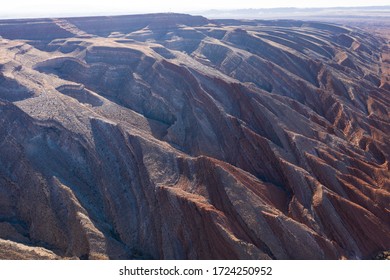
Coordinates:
176 137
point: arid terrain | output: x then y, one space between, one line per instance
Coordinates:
171 136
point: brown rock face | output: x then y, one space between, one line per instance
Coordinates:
175 137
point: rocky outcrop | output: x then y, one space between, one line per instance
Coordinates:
81 94
33 29
383 256
176 137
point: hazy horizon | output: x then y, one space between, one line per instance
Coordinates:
45 8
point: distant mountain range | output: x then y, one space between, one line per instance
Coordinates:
298 13
266 13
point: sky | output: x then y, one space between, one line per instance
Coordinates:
50 8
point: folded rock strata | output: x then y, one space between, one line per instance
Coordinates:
176 137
